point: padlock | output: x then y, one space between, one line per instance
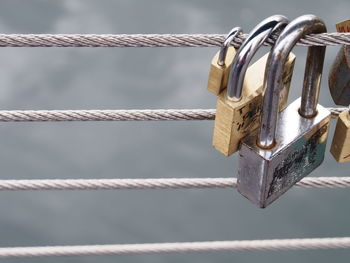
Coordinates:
339 77
238 109
291 144
340 147
221 63
339 74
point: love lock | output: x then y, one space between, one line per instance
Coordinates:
290 145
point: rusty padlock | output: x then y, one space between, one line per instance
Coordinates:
238 108
291 144
221 63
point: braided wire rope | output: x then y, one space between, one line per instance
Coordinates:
152 40
116 115
155 183
178 247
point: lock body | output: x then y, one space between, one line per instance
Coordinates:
218 75
265 174
236 119
339 77
339 74
340 147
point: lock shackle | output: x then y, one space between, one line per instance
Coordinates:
293 32
248 49
228 40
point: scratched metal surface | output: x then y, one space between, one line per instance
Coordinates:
100 78
339 77
265 175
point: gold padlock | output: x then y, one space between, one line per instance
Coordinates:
221 63
340 148
238 109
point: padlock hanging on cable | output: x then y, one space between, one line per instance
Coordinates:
291 144
238 108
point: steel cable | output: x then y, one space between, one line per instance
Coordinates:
155 183
115 115
152 248
152 40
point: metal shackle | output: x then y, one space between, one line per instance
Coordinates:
248 49
288 38
229 38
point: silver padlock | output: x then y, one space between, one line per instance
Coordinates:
289 145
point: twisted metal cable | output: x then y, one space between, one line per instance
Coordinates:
152 248
109 184
116 115
152 40
155 183
107 115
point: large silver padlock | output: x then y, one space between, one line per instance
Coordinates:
289 145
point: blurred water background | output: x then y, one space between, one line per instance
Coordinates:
138 78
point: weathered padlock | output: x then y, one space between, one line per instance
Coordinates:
221 63
340 147
339 74
339 86
339 77
238 109
289 145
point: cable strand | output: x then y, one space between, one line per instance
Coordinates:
116 115
153 40
155 183
179 247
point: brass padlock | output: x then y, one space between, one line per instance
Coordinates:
221 63
289 145
238 109
340 147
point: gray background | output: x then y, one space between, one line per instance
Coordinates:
115 78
